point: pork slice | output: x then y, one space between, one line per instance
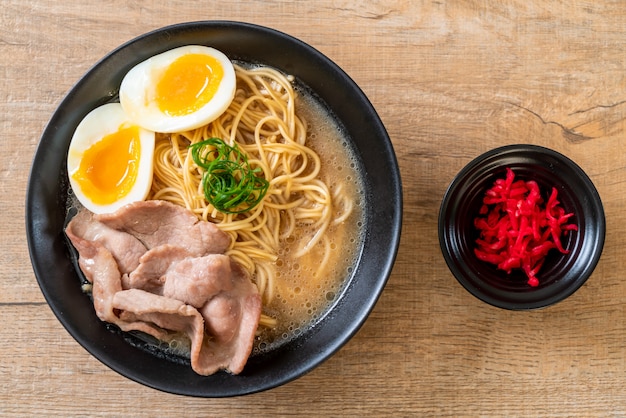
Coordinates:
170 271
125 248
149 274
195 280
153 266
221 334
106 283
157 222
161 317
243 340
101 269
231 319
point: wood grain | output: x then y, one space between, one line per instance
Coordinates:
450 80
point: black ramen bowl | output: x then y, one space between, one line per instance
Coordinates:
561 274
48 188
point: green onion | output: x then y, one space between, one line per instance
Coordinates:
229 183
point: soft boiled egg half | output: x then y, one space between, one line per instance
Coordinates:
179 90
110 160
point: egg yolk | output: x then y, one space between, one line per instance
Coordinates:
108 169
189 83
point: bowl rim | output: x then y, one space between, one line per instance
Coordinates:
45 239
594 224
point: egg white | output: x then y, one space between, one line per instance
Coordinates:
102 121
137 92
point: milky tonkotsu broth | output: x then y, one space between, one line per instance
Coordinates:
302 297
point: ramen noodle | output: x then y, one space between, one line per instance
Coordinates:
300 241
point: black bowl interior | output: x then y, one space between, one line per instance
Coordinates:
560 275
48 187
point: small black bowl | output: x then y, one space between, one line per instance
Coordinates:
561 275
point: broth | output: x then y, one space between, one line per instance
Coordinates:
303 297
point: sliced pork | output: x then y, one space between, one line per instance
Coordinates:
232 325
195 280
153 265
163 317
101 269
169 282
157 222
160 317
171 271
232 318
125 248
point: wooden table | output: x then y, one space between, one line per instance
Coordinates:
449 81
